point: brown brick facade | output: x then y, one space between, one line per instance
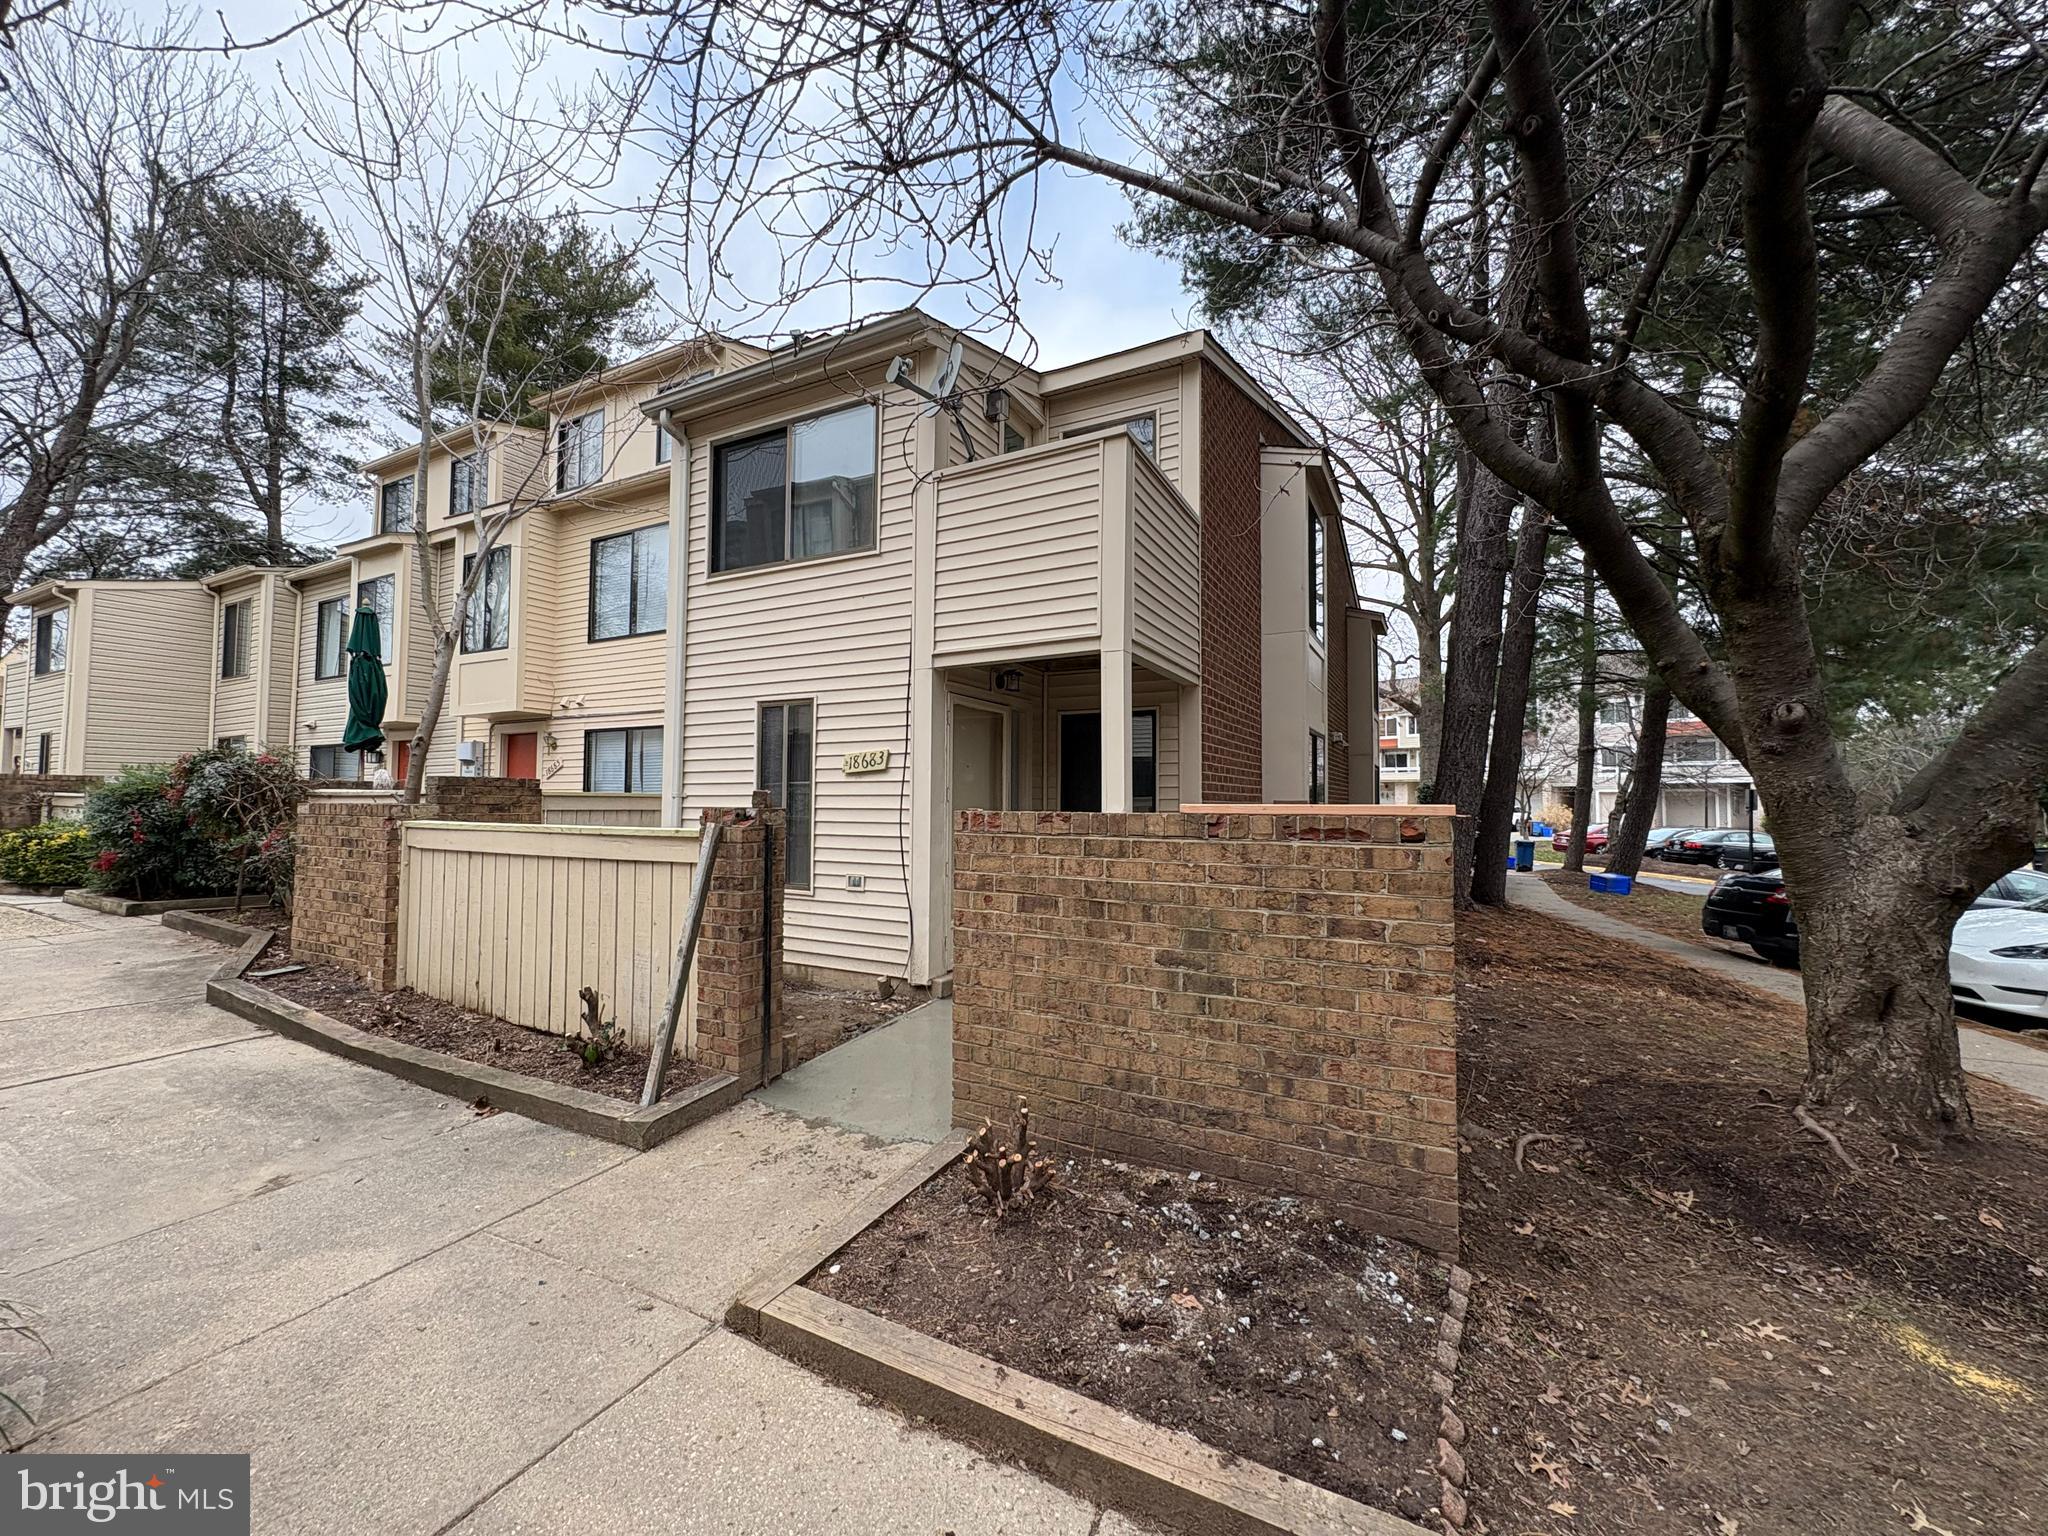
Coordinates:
345 887
1265 998
452 797
733 1032
1233 428
24 796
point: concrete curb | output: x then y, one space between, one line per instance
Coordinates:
573 1109
121 906
1078 1443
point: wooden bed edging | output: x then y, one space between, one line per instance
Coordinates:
573 1109
1078 1443
123 906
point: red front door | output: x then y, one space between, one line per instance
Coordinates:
404 762
522 755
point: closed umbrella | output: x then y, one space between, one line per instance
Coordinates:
366 689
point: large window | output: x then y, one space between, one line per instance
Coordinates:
1318 591
234 639
487 621
394 506
796 493
467 478
629 583
1395 762
330 636
333 764
380 595
1318 769
787 750
1694 749
53 641
624 762
579 451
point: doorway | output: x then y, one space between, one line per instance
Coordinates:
522 755
980 758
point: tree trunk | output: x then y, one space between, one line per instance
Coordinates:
1474 664
1510 713
1589 704
1429 705
1627 834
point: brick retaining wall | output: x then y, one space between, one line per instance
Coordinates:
732 1031
1267 998
345 886
22 795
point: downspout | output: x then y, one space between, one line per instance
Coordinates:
678 621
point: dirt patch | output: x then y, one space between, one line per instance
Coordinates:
433 1025
1261 1326
816 1018
1675 914
1692 1317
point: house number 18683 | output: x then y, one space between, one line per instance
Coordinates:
874 760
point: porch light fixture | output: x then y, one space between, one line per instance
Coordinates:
1009 680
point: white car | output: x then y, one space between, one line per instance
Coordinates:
1998 958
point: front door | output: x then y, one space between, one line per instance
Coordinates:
522 755
978 759
403 756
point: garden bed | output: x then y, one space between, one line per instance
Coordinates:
1260 1325
431 1024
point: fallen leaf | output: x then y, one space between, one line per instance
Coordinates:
1682 1198
1727 1525
1991 1221
1920 1522
1764 1330
1525 1229
1188 1303
1543 1465
1560 1507
1552 1393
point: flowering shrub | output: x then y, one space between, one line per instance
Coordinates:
247 803
214 823
54 853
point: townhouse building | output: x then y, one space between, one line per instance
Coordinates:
1400 748
1702 785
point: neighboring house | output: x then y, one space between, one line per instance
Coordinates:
1400 750
1703 784
254 653
113 673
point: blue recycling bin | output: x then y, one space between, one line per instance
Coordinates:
1525 854
1540 829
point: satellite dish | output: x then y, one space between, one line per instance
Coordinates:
949 373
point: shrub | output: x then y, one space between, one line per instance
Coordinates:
54 853
247 804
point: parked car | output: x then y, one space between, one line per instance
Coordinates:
1998 958
1740 853
2014 890
1697 846
1596 839
1753 907
1657 837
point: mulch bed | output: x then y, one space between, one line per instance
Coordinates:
434 1025
816 1018
1692 1316
1261 1326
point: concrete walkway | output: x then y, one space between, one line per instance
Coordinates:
1987 1053
416 1320
895 1082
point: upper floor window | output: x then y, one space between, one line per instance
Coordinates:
394 506
1013 440
796 493
664 445
1318 592
629 583
1318 769
234 639
579 451
380 595
1615 712
487 621
1695 749
467 479
1396 762
330 637
53 641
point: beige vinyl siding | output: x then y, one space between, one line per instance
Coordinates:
545 616
322 703
512 921
151 660
235 699
610 683
14 691
576 809
1079 691
517 471
1157 392
1166 574
278 641
415 634
46 699
1019 556
448 731
836 631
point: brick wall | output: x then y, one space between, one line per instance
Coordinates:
734 1034
451 797
1265 998
1234 428
345 887
22 795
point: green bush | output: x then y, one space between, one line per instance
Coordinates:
54 853
214 823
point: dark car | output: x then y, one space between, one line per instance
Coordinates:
1739 853
1699 847
1751 907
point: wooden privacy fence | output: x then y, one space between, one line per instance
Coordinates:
514 920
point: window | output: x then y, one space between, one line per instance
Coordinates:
53 641
1144 428
43 753
629 583
468 478
1610 757
380 594
626 762
1615 712
796 493
664 445
1396 762
1145 759
234 639
786 748
487 622
330 636
232 743
1013 440
2020 885
1318 593
1318 769
333 765
394 506
1081 760
579 451
1694 749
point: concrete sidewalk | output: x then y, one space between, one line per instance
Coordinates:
1986 1052
895 1082
415 1319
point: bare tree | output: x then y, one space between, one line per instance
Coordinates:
111 146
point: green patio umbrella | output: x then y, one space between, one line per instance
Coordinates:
366 687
